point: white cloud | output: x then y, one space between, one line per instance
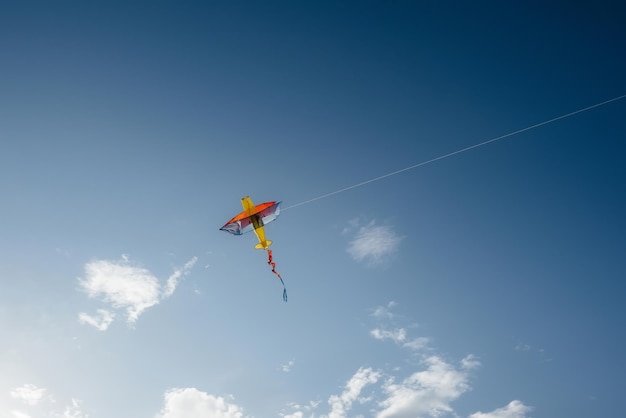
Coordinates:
373 243
397 335
416 344
515 409
384 312
287 366
302 411
73 410
35 397
470 362
101 321
125 286
539 353
340 404
173 280
29 394
427 393
297 414
190 402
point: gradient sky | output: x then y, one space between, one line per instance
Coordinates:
489 284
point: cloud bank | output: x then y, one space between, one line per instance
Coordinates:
126 287
428 391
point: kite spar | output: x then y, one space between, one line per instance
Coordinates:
254 218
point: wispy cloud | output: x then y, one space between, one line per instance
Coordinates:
100 321
74 410
373 243
38 397
300 411
384 312
297 414
417 344
515 409
527 348
174 279
191 402
470 362
397 335
287 366
340 404
125 286
29 394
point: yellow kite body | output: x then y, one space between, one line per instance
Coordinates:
259 231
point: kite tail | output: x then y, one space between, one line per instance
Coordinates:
273 265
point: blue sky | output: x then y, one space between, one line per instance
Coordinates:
488 284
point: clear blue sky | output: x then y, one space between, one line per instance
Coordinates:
489 284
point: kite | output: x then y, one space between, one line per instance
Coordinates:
254 218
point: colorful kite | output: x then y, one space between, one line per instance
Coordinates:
253 218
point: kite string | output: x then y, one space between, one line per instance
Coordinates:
393 173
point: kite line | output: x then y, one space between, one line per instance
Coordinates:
393 173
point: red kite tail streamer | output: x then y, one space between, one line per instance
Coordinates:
273 265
